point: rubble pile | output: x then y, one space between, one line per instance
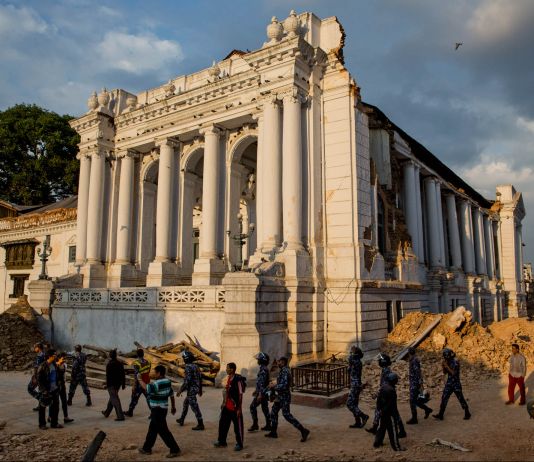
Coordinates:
168 355
483 352
17 337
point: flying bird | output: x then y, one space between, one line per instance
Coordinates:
458 45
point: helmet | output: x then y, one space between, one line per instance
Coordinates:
392 378
356 351
384 360
423 397
263 358
530 408
188 357
448 353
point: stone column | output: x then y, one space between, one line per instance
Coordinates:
209 268
272 175
456 251
95 206
260 183
468 251
421 243
83 202
187 199
125 207
410 206
166 169
433 223
490 248
292 173
162 271
441 234
478 226
210 188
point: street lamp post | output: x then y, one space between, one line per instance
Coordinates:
44 253
240 240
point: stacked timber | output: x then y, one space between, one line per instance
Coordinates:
168 355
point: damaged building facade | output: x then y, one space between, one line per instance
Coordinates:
355 223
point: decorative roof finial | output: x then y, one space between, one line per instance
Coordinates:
275 31
92 102
291 24
169 88
103 97
214 71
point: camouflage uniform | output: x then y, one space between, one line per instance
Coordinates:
453 385
193 385
283 401
262 382
355 373
78 375
385 371
142 368
416 382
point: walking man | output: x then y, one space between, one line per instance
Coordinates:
516 375
451 367
283 402
355 374
39 359
61 368
415 378
231 409
142 368
193 386
115 379
48 391
78 376
259 396
158 393
387 405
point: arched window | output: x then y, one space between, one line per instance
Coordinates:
381 226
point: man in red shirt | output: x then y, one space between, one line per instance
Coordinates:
231 411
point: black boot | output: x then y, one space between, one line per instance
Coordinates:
129 413
372 430
200 425
413 420
254 427
428 411
272 434
357 423
438 416
364 418
467 414
88 401
267 427
69 400
180 421
304 433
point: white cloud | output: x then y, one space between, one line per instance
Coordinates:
491 172
20 21
527 124
496 20
137 54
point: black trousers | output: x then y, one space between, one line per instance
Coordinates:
63 399
264 403
228 417
387 423
114 402
158 426
53 412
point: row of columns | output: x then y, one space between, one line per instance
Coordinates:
279 189
471 249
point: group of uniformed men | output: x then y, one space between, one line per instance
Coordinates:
49 378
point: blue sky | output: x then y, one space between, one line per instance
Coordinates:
473 108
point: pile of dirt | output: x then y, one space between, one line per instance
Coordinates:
17 337
483 352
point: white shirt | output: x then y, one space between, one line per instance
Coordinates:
518 365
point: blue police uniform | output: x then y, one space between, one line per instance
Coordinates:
262 382
193 385
453 385
355 374
78 376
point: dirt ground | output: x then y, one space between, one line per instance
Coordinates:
495 432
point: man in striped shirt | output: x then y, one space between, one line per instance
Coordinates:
159 393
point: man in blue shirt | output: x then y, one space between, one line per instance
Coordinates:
158 393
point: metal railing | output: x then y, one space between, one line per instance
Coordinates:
320 378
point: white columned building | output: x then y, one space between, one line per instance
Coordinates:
350 232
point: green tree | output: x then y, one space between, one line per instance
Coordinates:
37 155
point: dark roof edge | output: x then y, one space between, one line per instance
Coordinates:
427 158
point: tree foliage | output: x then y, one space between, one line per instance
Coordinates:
37 155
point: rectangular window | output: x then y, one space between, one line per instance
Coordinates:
19 281
72 254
